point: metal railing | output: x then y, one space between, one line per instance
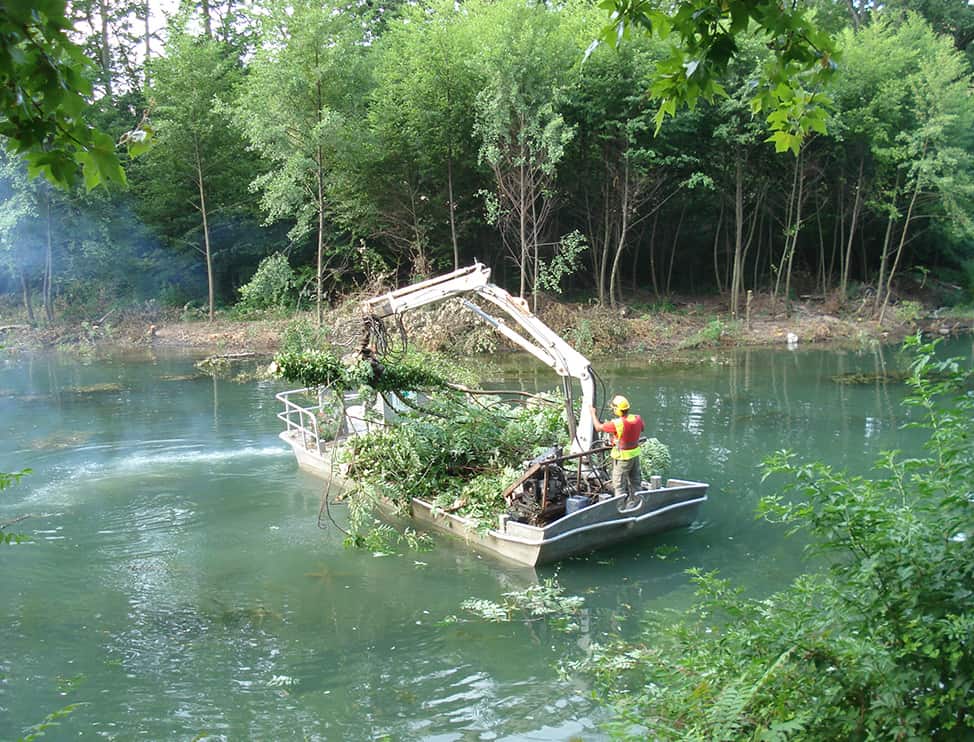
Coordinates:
303 420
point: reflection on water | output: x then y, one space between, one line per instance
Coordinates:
177 576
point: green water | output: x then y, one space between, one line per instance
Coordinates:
177 583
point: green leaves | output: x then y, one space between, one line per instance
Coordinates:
311 368
707 40
270 287
99 162
458 454
654 457
323 368
10 479
44 95
544 601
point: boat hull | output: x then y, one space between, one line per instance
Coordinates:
594 527
322 463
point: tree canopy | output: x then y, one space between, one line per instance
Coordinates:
817 149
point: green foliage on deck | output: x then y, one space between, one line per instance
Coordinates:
457 454
654 457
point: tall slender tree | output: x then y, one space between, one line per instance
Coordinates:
523 134
421 112
305 86
200 158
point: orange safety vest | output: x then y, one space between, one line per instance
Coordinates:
625 437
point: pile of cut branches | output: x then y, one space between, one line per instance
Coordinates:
458 454
322 368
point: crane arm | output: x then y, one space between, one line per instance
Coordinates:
535 336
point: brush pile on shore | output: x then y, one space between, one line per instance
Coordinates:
655 332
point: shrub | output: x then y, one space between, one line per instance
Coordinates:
662 306
303 335
581 337
707 336
270 287
908 311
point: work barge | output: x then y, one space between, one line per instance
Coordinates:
563 504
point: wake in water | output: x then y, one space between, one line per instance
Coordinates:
116 463
191 457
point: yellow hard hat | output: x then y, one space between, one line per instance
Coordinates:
619 403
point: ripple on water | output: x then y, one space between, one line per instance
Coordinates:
68 482
414 686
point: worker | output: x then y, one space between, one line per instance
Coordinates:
624 434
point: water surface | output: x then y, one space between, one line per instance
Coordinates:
177 583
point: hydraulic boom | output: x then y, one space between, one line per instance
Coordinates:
531 334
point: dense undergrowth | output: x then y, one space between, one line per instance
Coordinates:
876 644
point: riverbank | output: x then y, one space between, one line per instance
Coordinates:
662 331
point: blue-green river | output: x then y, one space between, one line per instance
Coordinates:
177 586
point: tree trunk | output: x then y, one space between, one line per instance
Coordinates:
738 264
676 241
320 198
899 248
28 306
319 293
207 24
854 15
634 271
623 229
797 230
769 260
422 267
148 40
452 210
883 262
856 206
652 255
759 229
792 221
48 268
820 280
535 239
837 231
606 233
720 223
206 229
884 255
523 227
757 219
106 59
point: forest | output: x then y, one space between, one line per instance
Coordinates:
357 141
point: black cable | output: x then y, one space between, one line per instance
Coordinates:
602 387
325 497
